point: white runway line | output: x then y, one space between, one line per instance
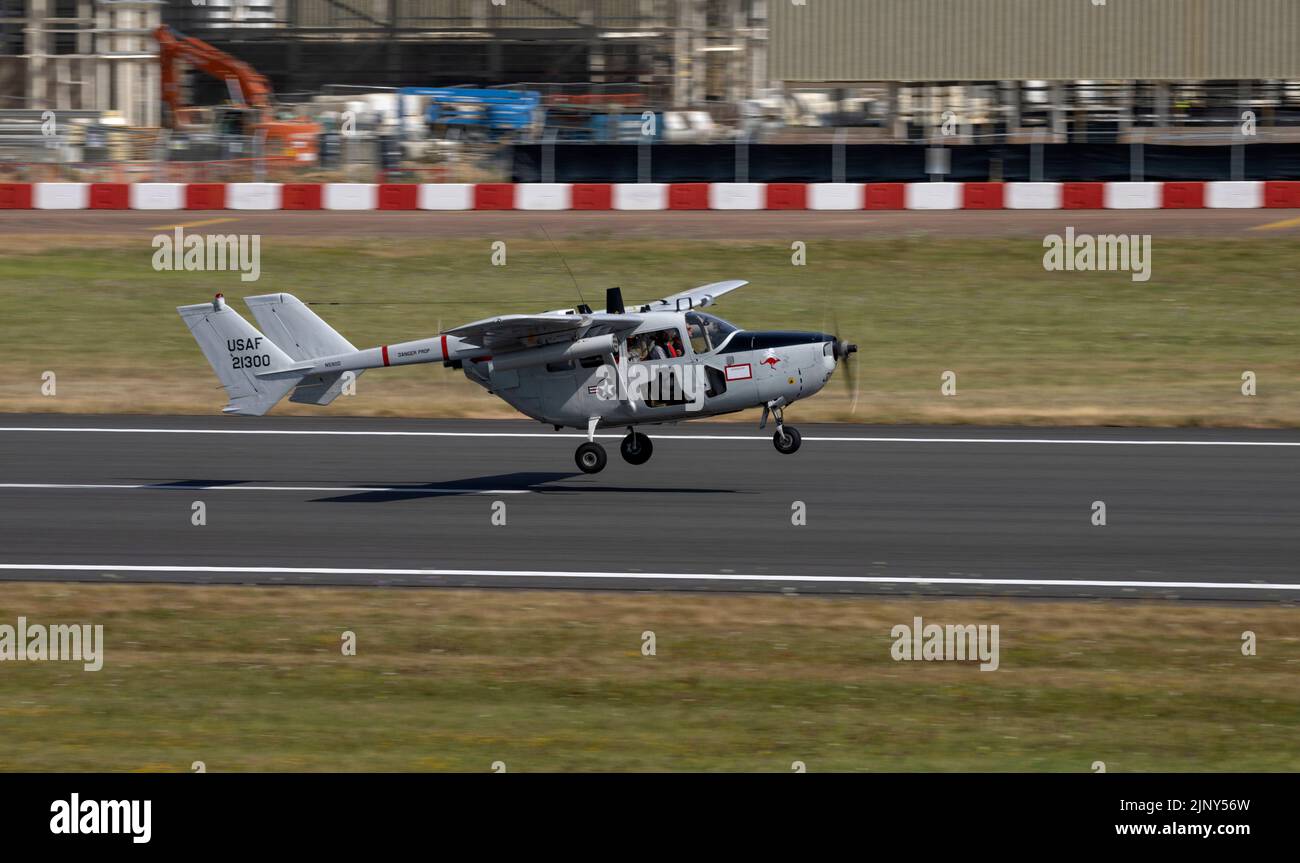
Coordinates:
658 437
648 576
185 487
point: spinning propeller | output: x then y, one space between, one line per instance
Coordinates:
843 350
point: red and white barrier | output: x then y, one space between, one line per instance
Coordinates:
253 196
689 196
446 196
592 196
737 196
543 196
61 196
1247 195
836 196
1132 196
933 196
1252 194
640 196
157 196
1282 193
349 196
1034 196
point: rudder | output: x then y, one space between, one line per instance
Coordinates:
297 329
303 335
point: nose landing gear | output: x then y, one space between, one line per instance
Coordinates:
787 438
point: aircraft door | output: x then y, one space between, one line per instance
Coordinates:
663 374
727 376
597 385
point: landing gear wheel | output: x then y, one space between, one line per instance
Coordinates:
787 439
590 457
636 448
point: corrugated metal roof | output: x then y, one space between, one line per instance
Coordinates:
991 40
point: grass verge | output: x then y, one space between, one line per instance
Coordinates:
1028 346
253 679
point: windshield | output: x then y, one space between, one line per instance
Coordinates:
706 332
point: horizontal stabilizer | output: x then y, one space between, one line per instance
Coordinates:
321 389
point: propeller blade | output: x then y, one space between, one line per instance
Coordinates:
853 406
843 351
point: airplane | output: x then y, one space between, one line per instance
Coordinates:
663 362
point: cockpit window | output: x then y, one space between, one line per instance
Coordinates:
695 332
661 345
706 332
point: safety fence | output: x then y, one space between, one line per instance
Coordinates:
230 171
356 161
901 163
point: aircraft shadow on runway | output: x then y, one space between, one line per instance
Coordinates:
522 481
533 481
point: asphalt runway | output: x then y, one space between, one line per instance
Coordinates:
1191 514
41 225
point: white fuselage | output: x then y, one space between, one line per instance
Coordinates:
743 370
673 366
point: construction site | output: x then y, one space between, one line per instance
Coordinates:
442 90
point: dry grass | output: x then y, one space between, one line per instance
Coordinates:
253 679
1028 346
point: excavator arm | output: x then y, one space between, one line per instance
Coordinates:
249 89
248 86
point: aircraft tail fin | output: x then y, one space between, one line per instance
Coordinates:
254 370
304 336
296 328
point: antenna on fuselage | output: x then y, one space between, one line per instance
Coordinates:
582 304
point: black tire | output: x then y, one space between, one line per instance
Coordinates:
791 441
590 458
636 448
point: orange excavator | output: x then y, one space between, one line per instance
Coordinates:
251 110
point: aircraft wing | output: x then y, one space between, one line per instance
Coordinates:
697 298
510 332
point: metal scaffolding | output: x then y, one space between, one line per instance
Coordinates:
78 55
691 52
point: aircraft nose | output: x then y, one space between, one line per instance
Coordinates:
842 349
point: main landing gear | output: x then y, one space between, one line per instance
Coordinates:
590 457
636 448
787 438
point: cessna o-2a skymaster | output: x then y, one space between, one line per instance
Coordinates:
664 362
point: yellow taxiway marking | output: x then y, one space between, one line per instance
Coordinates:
194 224
1285 223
